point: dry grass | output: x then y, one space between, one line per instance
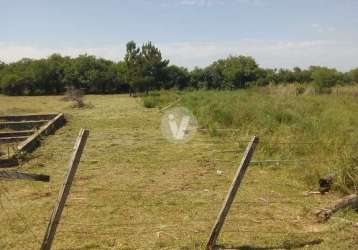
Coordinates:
135 190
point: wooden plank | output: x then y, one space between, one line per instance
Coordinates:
22 125
24 176
65 190
4 140
215 232
7 163
32 117
17 133
32 142
29 144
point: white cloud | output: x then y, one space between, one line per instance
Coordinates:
201 3
323 29
209 3
274 54
11 53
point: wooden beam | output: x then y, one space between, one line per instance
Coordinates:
22 125
65 190
32 142
7 163
17 133
24 176
4 140
215 232
32 117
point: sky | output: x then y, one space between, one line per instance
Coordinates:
277 33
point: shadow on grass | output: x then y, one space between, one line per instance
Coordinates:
285 245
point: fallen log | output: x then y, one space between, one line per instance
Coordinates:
347 201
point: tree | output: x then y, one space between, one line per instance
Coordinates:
133 65
237 71
353 75
177 77
121 69
146 68
47 75
2 66
153 66
12 84
324 77
198 79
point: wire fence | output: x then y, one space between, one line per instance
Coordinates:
206 206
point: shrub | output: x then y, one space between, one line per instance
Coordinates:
13 84
324 78
76 96
151 101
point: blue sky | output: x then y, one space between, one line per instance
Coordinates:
277 33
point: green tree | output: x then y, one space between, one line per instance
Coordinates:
146 69
353 75
237 71
2 66
12 84
177 77
323 77
153 67
122 84
198 79
133 64
47 75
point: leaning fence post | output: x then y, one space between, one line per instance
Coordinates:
66 186
215 232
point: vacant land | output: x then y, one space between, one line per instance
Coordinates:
135 190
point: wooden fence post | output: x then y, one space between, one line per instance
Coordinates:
215 232
66 186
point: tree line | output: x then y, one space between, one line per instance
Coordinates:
143 69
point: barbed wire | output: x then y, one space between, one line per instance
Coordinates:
166 226
219 140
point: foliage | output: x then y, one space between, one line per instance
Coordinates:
353 75
150 101
273 117
177 77
126 158
143 69
237 72
324 77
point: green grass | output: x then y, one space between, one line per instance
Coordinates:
329 121
135 190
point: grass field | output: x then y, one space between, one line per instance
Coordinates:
135 190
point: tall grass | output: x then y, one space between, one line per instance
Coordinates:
330 122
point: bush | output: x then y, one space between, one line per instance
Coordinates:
15 85
151 101
76 96
324 78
